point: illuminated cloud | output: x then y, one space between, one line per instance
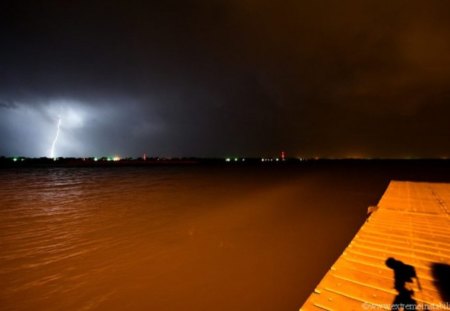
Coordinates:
211 78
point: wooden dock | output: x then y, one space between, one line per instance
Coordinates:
410 224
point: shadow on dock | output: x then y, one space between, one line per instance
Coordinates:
441 276
403 279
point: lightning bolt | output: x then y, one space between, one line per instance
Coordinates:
52 150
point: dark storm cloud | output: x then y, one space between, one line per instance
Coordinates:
327 78
7 105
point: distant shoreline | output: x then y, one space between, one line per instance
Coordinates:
17 162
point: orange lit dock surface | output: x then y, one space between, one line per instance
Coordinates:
411 224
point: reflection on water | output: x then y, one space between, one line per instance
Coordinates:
167 238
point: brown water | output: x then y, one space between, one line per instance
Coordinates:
186 238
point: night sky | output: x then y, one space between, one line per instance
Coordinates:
225 78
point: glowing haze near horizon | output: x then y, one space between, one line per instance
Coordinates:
225 78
